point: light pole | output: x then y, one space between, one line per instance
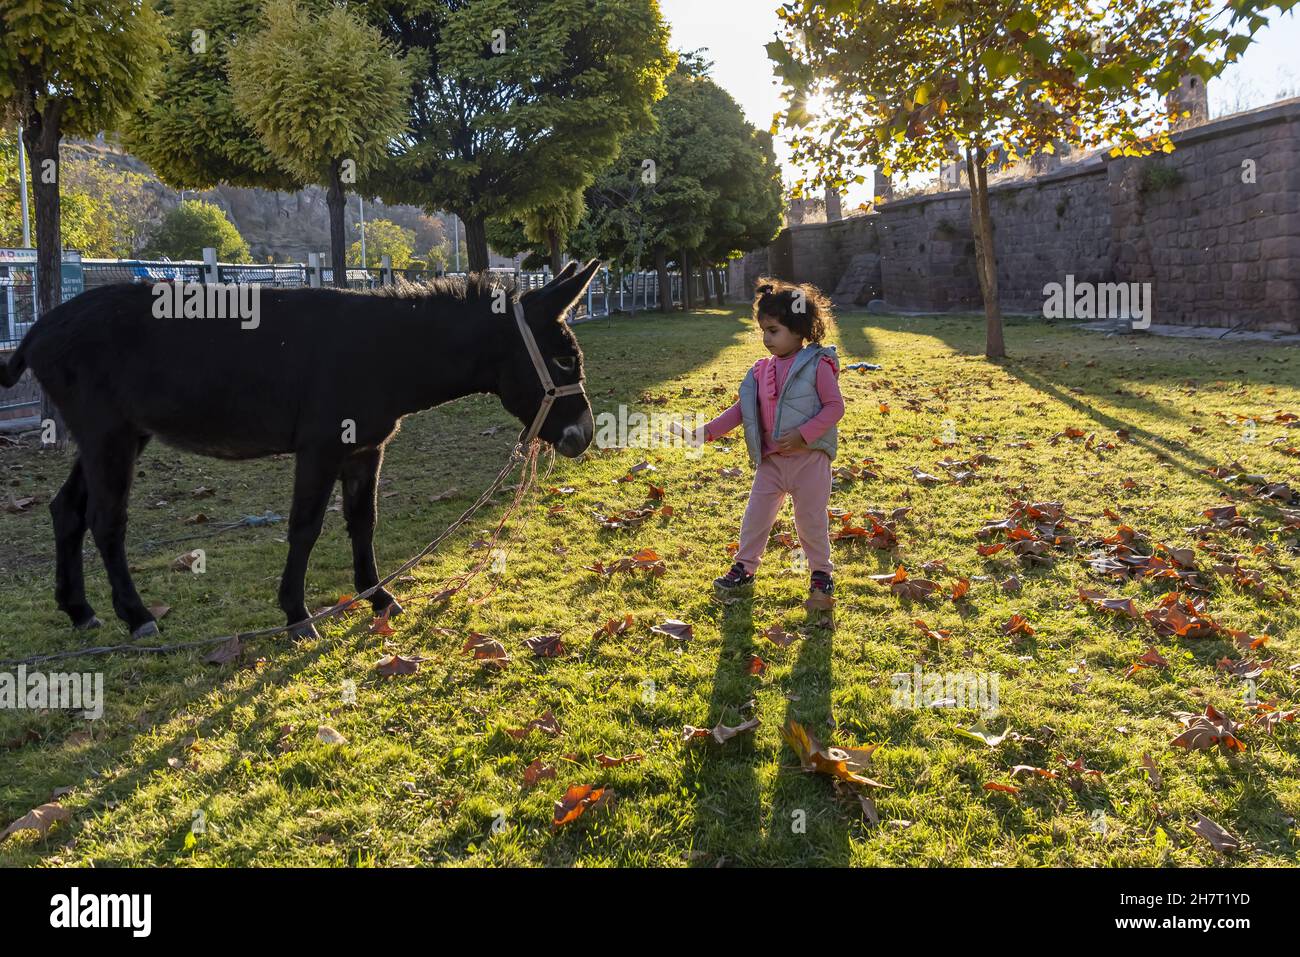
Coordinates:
362 202
22 188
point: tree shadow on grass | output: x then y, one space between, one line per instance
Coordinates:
855 344
105 791
1177 455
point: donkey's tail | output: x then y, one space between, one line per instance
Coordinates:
11 371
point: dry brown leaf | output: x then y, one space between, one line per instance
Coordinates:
674 629
840 763
328 735
1154 776
390 666
39 819
1204 731
536 771
545 646
487 650
577 800
230 650
605 761
1220 839
780 637
547 724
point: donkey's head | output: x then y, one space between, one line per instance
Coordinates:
568 425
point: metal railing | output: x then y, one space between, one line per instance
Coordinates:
608 294
17 313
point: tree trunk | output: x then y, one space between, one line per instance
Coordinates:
41 136
985 257
705 269
665 281
720 274
336 200
553 246
476 244
688 291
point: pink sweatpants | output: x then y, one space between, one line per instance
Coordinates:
806 477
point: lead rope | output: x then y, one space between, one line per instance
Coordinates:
525 449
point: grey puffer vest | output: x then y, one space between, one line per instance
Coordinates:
797 403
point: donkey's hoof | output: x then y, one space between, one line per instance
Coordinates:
148 630
306 632
90 624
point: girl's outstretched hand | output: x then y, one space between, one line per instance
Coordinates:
693 437
792 441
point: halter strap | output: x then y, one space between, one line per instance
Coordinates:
550 390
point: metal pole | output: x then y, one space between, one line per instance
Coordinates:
22 187
455 238
365 264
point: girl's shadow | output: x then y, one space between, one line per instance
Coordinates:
808 826
722 778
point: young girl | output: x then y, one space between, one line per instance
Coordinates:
789 405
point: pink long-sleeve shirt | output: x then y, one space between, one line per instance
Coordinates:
770 373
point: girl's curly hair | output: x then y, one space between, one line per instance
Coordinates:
800 308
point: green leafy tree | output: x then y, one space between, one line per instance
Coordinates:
11 210
193 225
120 209
103 212
189 131
541 232
70 68
517 102
549 225
905 82
700 186
507 237
326 94
384 238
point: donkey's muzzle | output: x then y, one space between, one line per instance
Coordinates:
577 436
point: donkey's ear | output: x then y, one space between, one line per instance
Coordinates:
565 273
560 296
559 277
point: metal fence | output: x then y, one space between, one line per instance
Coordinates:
17 313
606 295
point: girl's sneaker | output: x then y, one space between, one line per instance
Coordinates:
737 577
821 582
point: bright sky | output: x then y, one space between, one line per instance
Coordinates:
735 32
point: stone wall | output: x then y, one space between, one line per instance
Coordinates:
1217 248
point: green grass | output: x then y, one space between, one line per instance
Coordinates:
429 767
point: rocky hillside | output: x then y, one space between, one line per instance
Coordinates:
283 227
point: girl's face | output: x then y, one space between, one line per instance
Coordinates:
779 340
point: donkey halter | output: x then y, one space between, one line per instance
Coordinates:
549 388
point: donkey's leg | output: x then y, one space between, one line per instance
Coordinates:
68 510
360 475
109 464
313 481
